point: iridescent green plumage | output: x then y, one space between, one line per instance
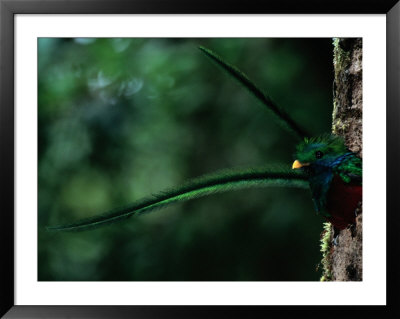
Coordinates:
332 148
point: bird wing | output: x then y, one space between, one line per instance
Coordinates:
350 169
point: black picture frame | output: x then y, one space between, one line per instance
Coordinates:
8 10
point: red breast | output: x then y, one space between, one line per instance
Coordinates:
342 202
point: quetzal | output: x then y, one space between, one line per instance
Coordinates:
322 164
335 177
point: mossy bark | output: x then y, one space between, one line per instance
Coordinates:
345 259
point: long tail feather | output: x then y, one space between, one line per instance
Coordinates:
283 117
206 185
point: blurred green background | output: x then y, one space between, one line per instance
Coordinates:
120 119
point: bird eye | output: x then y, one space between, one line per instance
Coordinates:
319 154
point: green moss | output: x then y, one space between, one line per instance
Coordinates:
335 109
338 126
341 58
326 252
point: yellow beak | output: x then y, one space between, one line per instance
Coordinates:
297 164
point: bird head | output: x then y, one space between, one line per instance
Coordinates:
318 151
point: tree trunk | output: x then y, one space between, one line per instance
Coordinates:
344 261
